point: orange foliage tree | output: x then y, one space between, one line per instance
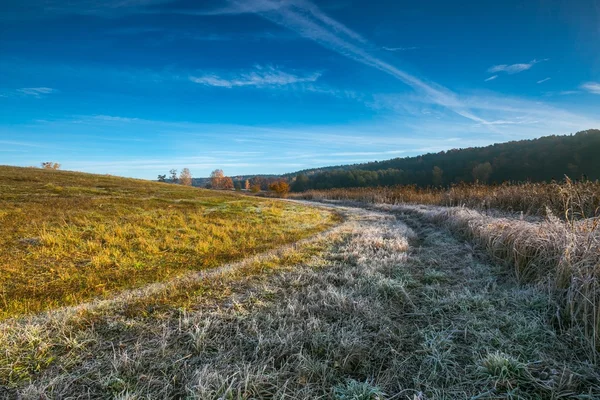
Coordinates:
280 187
218 180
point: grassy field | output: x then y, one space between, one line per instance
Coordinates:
546 234
384 306
67 237
210 295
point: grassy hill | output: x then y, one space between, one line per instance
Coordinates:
66 237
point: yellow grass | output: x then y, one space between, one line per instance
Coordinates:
528 198
67 237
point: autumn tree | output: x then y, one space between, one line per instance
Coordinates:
50 165
185 178
227 183
280 187
247 184
216 177
218 180
258 181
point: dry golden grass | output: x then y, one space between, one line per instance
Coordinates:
528 198
66 237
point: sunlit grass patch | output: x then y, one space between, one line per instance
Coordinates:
30 345
67 237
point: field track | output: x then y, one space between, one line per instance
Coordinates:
387 305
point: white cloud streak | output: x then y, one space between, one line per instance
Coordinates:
399 48
308 21
514 68
491 78
543 80
259 76
592 87
36 91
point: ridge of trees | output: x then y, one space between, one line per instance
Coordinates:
534 160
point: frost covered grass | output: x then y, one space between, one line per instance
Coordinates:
557 247
384 306
563 257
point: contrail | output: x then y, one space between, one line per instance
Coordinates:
309 21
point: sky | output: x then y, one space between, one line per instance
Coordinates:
138 87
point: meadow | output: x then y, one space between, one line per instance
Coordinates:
547 234
176 292
385 305
67 237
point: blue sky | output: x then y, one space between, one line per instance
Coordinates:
137 87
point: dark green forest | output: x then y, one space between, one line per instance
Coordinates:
537 160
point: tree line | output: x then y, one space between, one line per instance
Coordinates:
219 181
537 160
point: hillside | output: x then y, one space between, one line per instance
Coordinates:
66 237
535 160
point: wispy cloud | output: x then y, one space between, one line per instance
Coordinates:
110 118
592 87
308 21
490 112
544 80
24 9
399 48
259 76
389 153
266 6
21 144
514 68
491 78
35 91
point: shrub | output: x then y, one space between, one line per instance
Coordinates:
281 187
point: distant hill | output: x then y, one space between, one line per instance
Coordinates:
534 160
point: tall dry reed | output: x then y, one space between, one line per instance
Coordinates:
527 198
560 251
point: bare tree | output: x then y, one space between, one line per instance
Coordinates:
185 178
173 177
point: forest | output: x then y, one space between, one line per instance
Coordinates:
538 160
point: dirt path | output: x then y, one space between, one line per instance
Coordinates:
386 306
